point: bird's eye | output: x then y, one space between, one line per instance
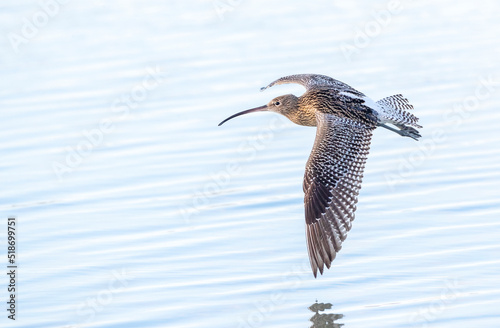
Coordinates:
277 103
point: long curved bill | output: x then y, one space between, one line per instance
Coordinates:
256 109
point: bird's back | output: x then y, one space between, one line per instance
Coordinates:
336 102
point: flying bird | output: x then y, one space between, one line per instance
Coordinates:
345 119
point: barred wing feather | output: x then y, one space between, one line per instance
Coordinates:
332 181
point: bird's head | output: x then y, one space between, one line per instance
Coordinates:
286 105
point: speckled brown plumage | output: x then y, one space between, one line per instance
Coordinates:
345 119
332 181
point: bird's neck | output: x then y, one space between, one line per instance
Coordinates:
303 115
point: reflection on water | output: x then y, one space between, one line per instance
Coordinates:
324 320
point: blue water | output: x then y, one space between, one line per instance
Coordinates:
135 209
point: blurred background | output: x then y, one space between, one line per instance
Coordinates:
135 209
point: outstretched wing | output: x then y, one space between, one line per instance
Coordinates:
310 81
331 184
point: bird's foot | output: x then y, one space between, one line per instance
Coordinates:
408 131
403 130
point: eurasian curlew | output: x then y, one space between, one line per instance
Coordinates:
345 119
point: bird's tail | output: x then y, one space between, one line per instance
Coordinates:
395 110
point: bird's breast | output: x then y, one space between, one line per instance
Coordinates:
305 115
